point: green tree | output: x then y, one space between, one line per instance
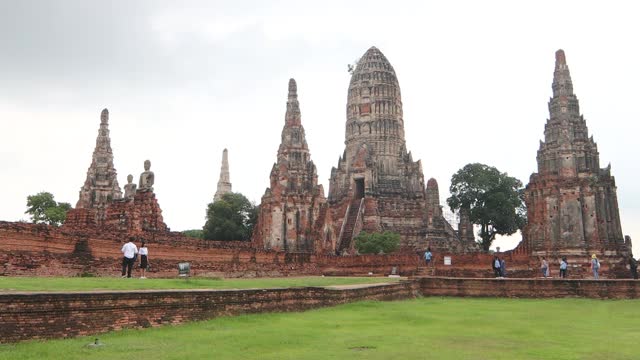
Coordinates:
495 200
230 218
44 209
195 233
374 243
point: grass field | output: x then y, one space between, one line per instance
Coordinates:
104 283
426 328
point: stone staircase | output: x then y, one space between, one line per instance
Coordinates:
350 223
423 270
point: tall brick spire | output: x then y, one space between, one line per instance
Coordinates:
567 149
101 186
293 146
224 183
572 207
290 206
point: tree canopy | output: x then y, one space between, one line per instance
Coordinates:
230 218
44 209
376 243
494 200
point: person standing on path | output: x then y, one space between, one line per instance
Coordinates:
427 256
563 268
496 266
129 251
144 259
503 267
595 266
544 267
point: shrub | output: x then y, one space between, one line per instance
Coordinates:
376 243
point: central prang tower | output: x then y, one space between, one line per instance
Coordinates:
376 186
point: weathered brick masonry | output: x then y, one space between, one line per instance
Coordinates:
530 288
41 250
52 315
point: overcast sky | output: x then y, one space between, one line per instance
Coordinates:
184 80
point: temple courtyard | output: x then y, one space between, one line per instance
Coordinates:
423 328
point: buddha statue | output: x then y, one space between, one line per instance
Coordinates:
146 178
129 188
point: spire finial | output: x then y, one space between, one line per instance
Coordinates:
293 88
104 116
560 58
562 85
292 117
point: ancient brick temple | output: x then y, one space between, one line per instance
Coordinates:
291 204
376 186
101 185
572 206
224 183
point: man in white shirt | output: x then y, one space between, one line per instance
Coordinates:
129 250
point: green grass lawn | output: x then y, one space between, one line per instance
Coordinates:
426 328
106 283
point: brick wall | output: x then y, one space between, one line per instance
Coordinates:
53 315
40 250
530 288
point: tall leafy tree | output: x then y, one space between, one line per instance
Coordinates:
44 209
230 218
494 200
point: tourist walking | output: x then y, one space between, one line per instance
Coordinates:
503 268
544 267
129 251
595 266
633 266
496 266
563 267
144 259
427 256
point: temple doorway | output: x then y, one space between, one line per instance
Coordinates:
359 194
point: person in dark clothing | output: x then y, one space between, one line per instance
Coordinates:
633 266
495 264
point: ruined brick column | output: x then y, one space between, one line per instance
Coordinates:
291 204
441 237
572 206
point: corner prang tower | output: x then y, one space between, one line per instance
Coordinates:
572 206
101 186
290 206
